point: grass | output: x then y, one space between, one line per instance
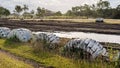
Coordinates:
108 21
8 62
48 58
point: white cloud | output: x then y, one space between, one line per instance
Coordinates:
55 5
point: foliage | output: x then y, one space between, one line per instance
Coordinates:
18 9
101 9
40 12
58 13
13 39
25 8
27 15
4 11
118 63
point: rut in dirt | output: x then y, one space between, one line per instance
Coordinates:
25 60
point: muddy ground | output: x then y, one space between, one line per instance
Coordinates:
46 25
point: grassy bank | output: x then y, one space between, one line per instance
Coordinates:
8 62
47 58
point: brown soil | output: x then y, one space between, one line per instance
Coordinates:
62 26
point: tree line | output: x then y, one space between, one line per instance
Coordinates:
100 9
41 12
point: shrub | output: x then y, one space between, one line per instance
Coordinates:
13 39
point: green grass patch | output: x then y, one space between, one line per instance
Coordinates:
8 62
49 58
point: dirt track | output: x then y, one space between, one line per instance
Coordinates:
62 26
25 60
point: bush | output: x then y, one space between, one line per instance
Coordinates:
13 39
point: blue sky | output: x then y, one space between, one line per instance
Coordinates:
54 5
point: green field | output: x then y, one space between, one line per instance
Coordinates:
49 59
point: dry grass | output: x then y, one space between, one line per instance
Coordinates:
109 21
112 21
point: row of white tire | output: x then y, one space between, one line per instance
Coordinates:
50 38
24 35
88 45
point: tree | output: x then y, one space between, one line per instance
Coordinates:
69 13
118 8
27 15
49 12
43 12
25 8
58 13
32 12
18 9
117 13
87 10
103 4
4 12
40 12
76 10
102 7
93 10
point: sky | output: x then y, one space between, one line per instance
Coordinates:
54 5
